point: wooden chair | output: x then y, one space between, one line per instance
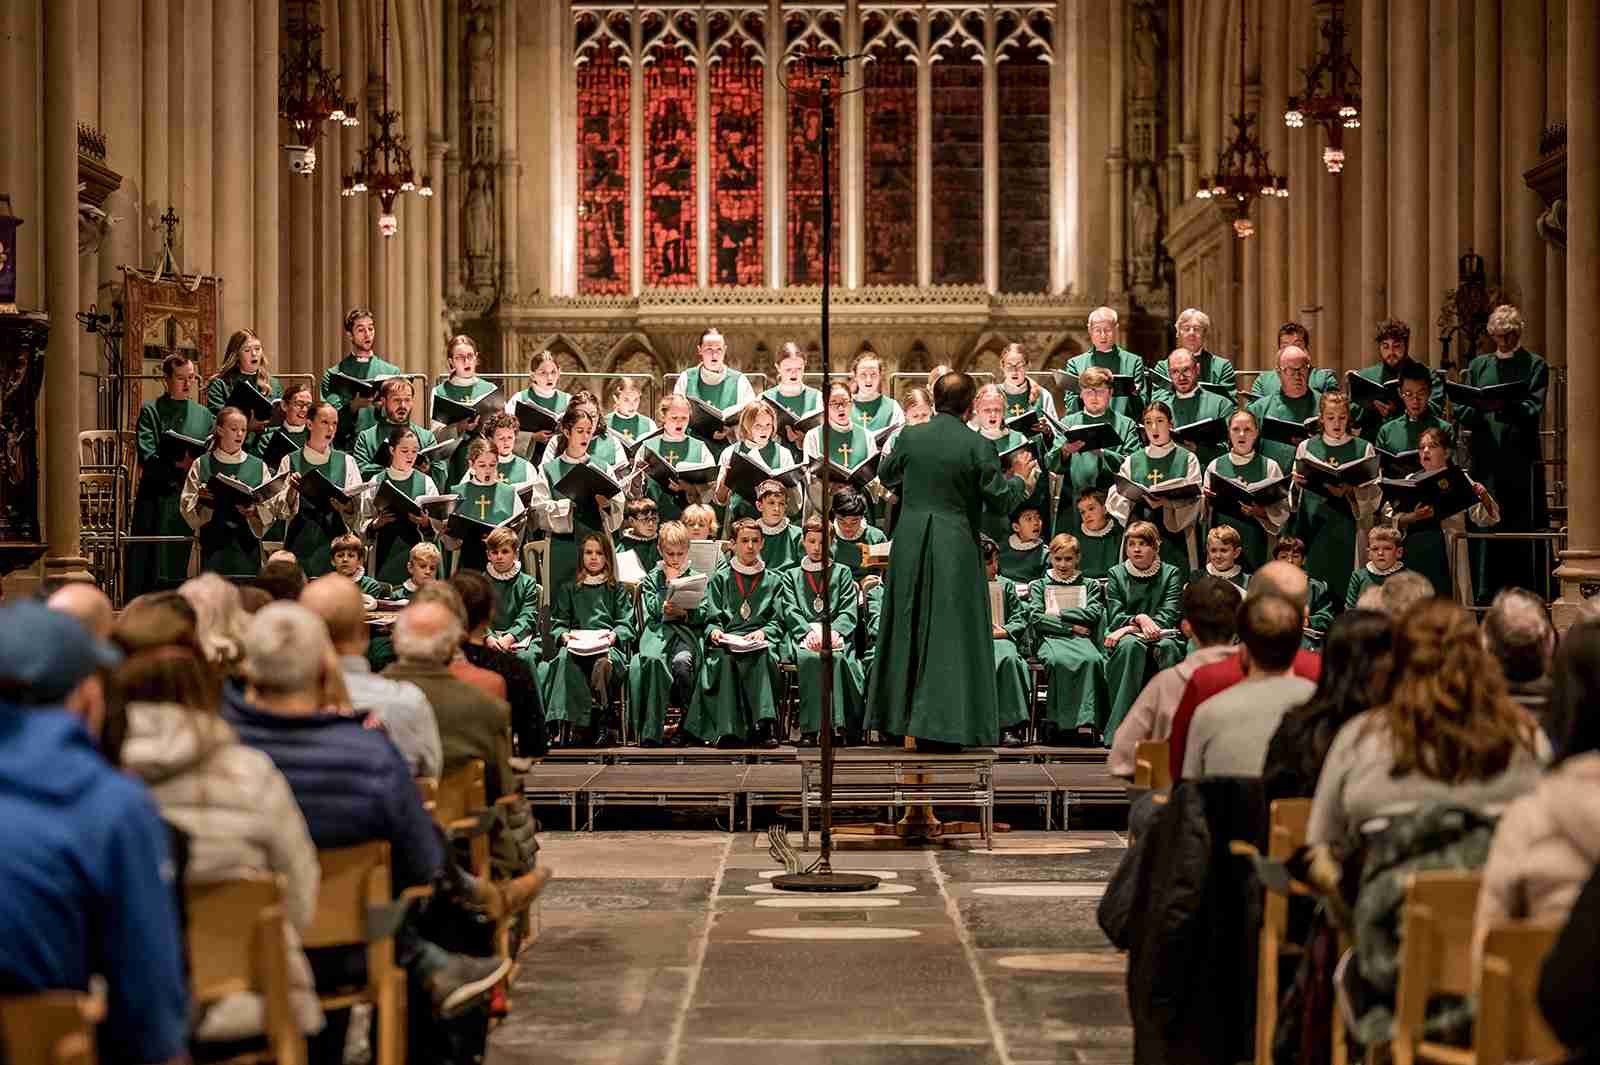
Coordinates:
461 808
355 908
50 1028
1435 959
102 518
1286 832
236 932
1509 1026
1150 765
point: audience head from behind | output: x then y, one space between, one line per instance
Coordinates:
1269 630
1357 658
1211 611
290 664
443 594
953 394
477 601
167 693
48 659
283 579
427 633
1403 591
1518 633
1572 723
87 603
339 603
1284 580
219 618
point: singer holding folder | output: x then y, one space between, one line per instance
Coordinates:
570 517
316 518
165 423
228 532
1334 527
1257 524
392 532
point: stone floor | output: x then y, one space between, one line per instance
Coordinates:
671 947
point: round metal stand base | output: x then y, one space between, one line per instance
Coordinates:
824 882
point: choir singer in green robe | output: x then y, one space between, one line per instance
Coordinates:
934 674
804 604
227 533
163 465
745 625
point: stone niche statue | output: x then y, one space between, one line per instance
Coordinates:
1146 216
480 61
1146 50
479 212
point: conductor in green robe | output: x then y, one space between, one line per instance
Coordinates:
395 397
242 360
745 626
163 465
314 524
580 682
356 412
1144 603
1506 450
1012 632
934 675
1082 469
804 604
227 534
1107 354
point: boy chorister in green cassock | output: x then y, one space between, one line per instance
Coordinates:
1404 432
1082 469
780 538
349 554
1334 529
1321 607
1223 551
678 449
1068 612
1022 554
484 498
850 530
736 701
1159 462
355 413
1384 560
578 687
157 506
314 525
1011 638
514 627
393 534
1144 603
1099 536
1244 462
639 535
664 671
227 535
804 601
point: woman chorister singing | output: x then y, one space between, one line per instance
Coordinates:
1259 525
1334 529
315 519
391 533
227 531
1159 462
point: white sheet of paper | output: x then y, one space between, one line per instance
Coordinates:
997 603
629 569
704 555
588 641
742 643
1064 597
688 591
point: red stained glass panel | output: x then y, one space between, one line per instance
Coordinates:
669 170
603 91
1024 99
736 86
957 172
804 217
891 178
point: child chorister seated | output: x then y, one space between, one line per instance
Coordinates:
422 568
1385 558
349 554
1320 603
1011 631
745 626
1144 600
1022 557
850 530
1068 611
662 673
1099 537
593 625
515 625
780 543
1223 548
804 601
1430 542
639 535
1157 463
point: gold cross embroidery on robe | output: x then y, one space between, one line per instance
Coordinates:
484 503
1154 475
1016 410
844 453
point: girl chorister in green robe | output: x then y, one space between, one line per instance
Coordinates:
568 520
227 535
849 443
313 525
745 624
715 384
580 682
1144 604
804 603
466 387
1080 468
871 409
543 393
1259 525
678 448
1334 529
285 438
1430 542
163 467
1068 612
989 411
1159 462
625 422
484 498
1011 641
758 442
663 672
392 534
792 393
242 360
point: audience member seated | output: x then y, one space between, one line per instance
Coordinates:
1230 731
219 620
1518 633
485 680
83 853
1548 842
229 799
1279 578
527 708
1355 677
402 708
1210 607
88 604
1403 591
283 579
1569 981
1448 732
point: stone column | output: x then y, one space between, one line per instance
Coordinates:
852 154
157 124
924 157
1272 222
1408 166
1374 148
1116 157
702 152
510 168
636 167
1580 563
1486 189
231 164
1062 167
270 162
353 210
991 157
1522 27
299 327
775 131
122 119
59 230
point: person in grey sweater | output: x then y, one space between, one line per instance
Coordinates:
1448 733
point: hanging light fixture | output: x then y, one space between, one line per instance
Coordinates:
1332 96
309 93
384 165
1242 172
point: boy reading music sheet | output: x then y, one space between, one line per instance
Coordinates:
1143 602
593 627
1333 526
1090 464
1105 353
1162 464
1011 629
228 529
663 672
1430 533
744 614
640 534
850 530
799 406
1233 482
341 383
394 530
317 516
805 597
1068 612
163 468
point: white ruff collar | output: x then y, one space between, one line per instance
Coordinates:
712 377
361 571
473 479
845 428
748 571
1376 572
1241 460
838 535
1098 533
396 475
508 575
773 530
666 435
1225 574
356 355
411 586
791 388
810 566
590 580
542 393
224 457
1019 544
317 458
1008 390
1160 452
1056 578
463 382
1504 354
1185 395
1336 441
1155 567
863 396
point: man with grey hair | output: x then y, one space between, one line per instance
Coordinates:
1517 631
1293 402
1216 372
1106 353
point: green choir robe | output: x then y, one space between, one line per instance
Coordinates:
392 542
469 393
489 503
802 591
849 551
556 402
1198 406
876 415
229 542
371 439
669 505
724 395
1369 419
1011 676
1132 662
1022 562
1120 361
1256 535
846 449
1214 370
1020 403
1333 530
515 471
649 677
737 690
312 530
609 606
221 388
1505 449
1239 578
1322 609
1405 433
1074 661
932 678
1085 470
631 428
352 421
781 548
1283 408
648 552
586 518
1179 546
802 404
1365 577
774 457
1267 382
157 509
996 524
1428 547
1101 550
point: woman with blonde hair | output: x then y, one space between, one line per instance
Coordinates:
1449 732
242 360
219 619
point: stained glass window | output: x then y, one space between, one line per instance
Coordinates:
737 80
603 99
804 217
1024 163
669 170
957 89
890 214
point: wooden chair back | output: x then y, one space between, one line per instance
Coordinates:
50 1028
356 887
1435 958
106 447
1151 767
1509 1026
100 503
1286 831
460 794
247 913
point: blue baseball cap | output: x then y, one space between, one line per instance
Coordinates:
45 654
